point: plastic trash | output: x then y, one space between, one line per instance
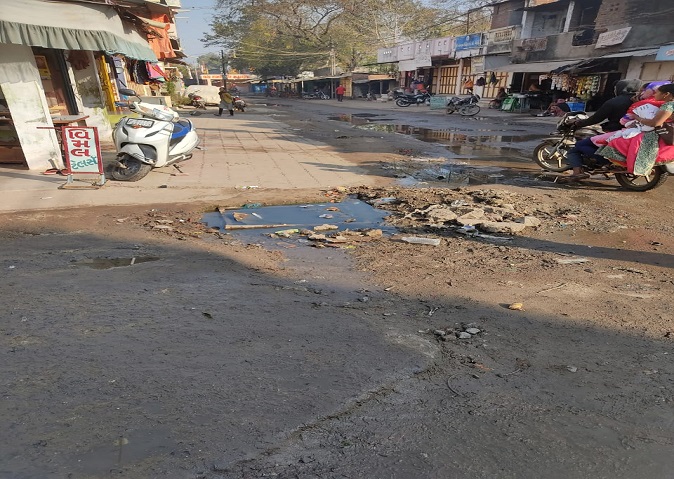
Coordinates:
421 240
252 205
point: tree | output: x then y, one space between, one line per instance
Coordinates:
276 37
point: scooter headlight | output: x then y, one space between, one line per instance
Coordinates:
162 115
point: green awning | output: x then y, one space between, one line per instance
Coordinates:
59 25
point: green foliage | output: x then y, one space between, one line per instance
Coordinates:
283 37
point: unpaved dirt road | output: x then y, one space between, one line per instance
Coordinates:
138 343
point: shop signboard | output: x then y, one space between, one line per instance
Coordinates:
535 44
614 37
468 42
665 53
82 151
476 65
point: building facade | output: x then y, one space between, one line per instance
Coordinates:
65 63
571 48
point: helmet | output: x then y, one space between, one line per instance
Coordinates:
627 87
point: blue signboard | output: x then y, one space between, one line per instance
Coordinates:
666 53
467 42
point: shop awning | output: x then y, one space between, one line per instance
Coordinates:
59 25
536 67
635 53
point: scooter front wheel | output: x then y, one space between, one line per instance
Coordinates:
132 169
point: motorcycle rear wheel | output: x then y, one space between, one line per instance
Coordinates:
135 169
469 110
551 156
642 183
402 102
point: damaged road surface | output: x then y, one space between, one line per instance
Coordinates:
516 330
159 368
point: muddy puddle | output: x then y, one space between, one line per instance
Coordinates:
350 214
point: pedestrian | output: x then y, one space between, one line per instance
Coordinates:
226 102
339 91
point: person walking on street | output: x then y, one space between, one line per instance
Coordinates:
339 91
226 102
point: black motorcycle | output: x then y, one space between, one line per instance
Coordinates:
551 155
410 99
465 106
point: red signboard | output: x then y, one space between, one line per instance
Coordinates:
82 150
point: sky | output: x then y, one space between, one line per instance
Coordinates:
192 23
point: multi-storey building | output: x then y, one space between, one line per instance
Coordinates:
568 47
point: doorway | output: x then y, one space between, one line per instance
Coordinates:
53 74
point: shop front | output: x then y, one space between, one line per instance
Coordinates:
49 74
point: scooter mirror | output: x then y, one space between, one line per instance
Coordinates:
127 92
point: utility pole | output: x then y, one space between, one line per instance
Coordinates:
468 22
333 66
224 69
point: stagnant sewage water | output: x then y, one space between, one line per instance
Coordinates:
481 156
350 213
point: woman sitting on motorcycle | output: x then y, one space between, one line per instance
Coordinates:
640 153
611 111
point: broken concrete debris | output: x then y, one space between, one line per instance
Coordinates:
469 211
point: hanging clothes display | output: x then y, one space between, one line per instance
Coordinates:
154 72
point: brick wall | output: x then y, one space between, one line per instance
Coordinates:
630 12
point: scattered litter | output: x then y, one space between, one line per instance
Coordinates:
326 216
421 240
250 227
433 309
571 260
252 205
239 216
46 198
572 369
331 208
287 233
207 315
246 187
364 299
383 201
12 267
162 186
326 227
256 215
516 306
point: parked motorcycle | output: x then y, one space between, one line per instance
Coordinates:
317 95
158 138
551 155
197 100
410 99
465 106
239 104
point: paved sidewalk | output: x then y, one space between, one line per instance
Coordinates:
246 150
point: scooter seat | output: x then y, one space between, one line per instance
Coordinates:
180 129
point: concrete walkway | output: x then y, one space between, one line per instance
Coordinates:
247 150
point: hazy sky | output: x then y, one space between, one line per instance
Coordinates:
192 24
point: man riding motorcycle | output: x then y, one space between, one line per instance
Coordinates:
612 111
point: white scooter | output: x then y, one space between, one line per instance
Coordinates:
159 138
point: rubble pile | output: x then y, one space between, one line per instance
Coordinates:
470 212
